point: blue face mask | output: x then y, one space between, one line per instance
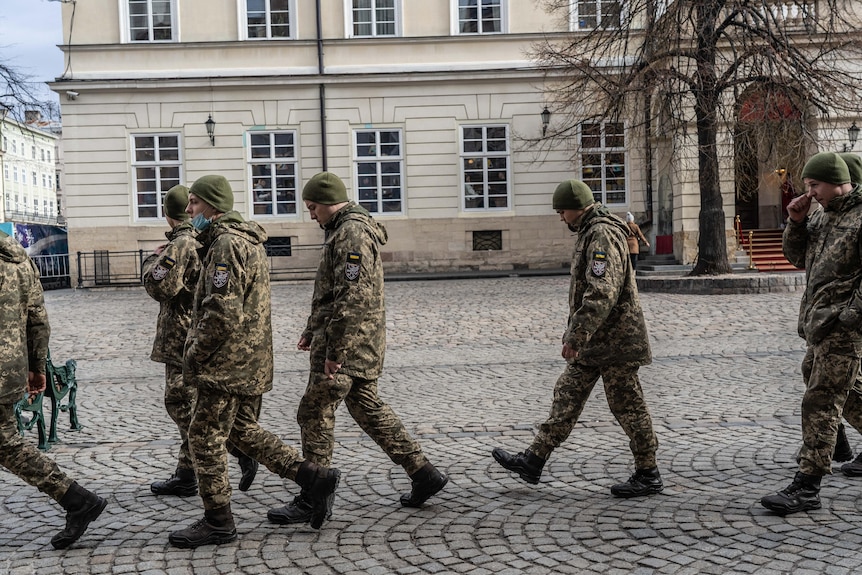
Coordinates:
200 222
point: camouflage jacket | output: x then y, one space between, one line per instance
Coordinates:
25 333
828 244
170 278
606 322
347 324
229 344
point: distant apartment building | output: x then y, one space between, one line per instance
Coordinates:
28 165
423 108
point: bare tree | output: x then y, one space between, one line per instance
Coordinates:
680 64
19 93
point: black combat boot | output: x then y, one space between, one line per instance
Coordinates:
854 468
249 471
319 483
843 451
82 507
215 528
297 512
527 464
801 495
426 482
182 483
642 482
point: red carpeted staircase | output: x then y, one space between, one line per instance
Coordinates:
767 255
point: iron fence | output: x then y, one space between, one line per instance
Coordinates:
53 270
105 268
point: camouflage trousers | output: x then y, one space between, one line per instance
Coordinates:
180 404
23 459
830 370
316 418
625 398
221 417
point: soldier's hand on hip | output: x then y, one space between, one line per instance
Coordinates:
569 352
330 368
303 344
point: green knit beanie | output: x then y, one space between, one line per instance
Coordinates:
175 203
325 188
854 165
214 190
573 195
827 167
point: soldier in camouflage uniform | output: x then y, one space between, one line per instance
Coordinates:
827 242
23 355
228 358
606 337
854 468
346 335
170 276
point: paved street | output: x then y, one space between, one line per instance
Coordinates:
470 365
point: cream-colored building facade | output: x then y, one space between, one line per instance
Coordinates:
424 108
28 166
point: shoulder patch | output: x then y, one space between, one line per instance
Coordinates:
354 264
220 276
600 263
161 270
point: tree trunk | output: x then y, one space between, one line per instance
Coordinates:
711 241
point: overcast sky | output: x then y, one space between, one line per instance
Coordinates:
30 31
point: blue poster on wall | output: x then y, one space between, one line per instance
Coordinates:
40 240
48 246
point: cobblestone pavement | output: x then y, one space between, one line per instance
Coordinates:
471 365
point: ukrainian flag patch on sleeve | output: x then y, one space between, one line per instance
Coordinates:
221 275
600 263
354 264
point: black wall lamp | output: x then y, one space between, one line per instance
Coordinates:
210 124
853 136
546 119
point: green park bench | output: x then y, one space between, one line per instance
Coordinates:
61 389
37 418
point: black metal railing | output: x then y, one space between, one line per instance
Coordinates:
299 263
105 268
53 270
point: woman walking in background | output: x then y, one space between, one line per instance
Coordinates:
634 238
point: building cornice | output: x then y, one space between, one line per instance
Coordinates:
246 79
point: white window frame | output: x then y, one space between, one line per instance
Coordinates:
575 17
275 176
157 164
242 11
455 11
348 21
475 165
126 25
599 183
366 154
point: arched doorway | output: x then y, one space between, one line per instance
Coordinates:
768 155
